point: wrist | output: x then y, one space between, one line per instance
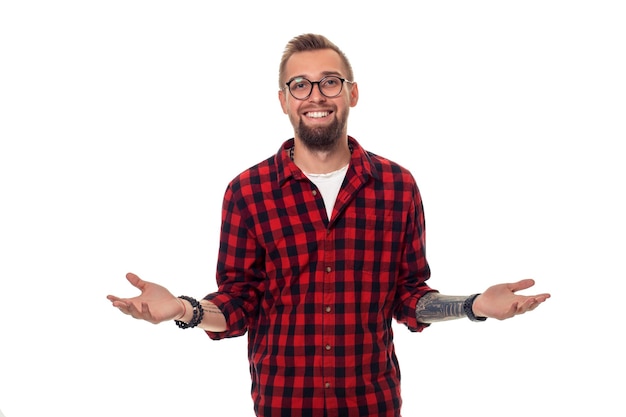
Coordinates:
192 315
186 313
468 307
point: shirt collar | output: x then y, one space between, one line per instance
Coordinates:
360 162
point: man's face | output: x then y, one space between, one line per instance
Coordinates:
318 121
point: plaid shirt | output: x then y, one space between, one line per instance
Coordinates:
317 296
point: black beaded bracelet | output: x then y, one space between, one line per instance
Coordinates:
198 313
467 307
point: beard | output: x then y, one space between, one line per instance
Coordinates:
322 138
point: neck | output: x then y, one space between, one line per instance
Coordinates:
321 161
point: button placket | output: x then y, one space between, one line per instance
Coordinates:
329 360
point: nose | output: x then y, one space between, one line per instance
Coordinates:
316 93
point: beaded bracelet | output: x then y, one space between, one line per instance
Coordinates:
467 307
198 313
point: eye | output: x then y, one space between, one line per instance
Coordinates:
299 84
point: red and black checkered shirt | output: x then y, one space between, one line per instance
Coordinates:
317 296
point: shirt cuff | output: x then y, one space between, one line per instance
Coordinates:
236 322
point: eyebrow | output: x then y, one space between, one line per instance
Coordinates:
324 74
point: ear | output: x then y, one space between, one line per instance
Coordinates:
283 100
354 94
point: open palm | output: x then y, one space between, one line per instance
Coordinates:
155 303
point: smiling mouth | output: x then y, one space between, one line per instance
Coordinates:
317 114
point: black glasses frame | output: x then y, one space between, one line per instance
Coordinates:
343 80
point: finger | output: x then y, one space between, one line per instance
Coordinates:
539 299
145 310
510 313
134 311
533 302
542 297
135 281
146 314
522 285
119 303
528 305
122 306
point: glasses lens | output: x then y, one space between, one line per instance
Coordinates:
300 87
331 86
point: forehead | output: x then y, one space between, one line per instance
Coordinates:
314 64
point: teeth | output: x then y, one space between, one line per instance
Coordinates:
317 114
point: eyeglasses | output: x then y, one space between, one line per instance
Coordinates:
330 86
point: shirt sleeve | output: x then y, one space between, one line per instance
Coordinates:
415 270
240 270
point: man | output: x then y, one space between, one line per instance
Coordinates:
322 245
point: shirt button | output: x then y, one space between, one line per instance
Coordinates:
328 347
328 309
327 385
314 192
328 269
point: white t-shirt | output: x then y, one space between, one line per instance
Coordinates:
329 185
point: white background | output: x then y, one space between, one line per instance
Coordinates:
121 123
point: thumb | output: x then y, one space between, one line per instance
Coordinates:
135 281
522 285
